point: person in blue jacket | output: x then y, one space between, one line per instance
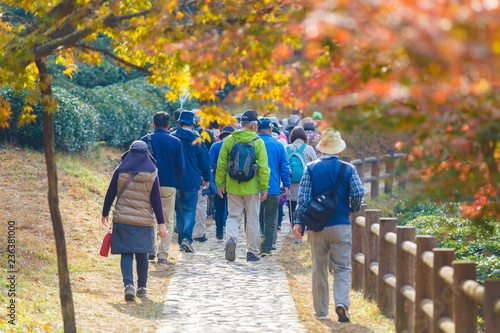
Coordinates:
169 154
197 172
220 203
333 243
280 173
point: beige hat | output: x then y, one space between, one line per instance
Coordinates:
331 142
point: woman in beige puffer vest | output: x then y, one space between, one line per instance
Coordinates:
137 209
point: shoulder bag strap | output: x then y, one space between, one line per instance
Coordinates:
343 167
124 187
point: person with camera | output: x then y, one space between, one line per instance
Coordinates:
328 192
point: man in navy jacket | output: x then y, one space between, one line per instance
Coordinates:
197 167
333 243
280 169
169 155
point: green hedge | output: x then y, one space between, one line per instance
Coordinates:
470 241
75 122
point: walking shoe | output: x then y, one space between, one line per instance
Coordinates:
343 314
264 254
320 317
182 249
252 257
231 250
162 261
219 237
142 292
151 256
201 239
130 293
297 241
186 245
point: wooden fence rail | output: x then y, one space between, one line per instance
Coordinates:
375 177
418 284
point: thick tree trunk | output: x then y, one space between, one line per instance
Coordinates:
66 296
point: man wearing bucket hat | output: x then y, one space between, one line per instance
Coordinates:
197 172
333 243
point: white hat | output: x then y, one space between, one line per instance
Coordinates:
331 142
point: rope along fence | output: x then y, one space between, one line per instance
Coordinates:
419 285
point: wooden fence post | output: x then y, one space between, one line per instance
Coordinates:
357 248
375 175
361 167
423 282
442 292
464 307
389 171
386 267
371 254
405 275
491 306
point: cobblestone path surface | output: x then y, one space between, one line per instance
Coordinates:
207 293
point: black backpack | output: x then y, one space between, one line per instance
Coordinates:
322 206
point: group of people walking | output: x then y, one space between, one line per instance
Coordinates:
253 168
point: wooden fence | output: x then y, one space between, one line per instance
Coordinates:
376 162
419 285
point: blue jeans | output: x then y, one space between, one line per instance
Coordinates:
185 210
220 213
142 269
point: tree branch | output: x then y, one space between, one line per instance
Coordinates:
113 21
46 49
115 57
63 9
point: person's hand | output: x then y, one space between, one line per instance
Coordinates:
263 196
286 191
204 185
162 230
297 231
105 221
221 192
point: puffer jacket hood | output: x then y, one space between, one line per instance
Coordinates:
244 135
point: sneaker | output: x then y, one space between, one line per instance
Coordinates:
219 237
162 261
252 257
231 250
186 245
343 314
201 239
130 293
297 241
182 249
142 291
151 256
264 254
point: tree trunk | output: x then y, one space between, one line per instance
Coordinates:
66 296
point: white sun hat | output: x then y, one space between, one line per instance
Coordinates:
331 142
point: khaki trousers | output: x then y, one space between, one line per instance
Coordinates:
168 203
236 204
201 215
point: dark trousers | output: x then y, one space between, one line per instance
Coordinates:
127 269
269 218
220 213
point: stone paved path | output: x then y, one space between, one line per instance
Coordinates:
209 294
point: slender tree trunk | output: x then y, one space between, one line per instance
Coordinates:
66 296
488 151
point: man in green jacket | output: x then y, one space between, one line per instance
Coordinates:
243 195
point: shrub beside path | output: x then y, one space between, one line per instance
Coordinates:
207 293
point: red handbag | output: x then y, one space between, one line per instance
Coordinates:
106 245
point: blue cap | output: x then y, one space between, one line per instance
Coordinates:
187 117
265 123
